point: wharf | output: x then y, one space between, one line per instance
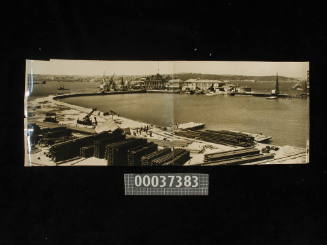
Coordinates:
162 91
62 96
67 115
269 94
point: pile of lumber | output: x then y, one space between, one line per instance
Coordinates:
71 148
170 143
135 154
99 145
179 160
242 160
117 153
172 158
87 151
213 157
223 137
147 159
233 157
56 132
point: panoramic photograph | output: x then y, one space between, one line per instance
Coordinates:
166 113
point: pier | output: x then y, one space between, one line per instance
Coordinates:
196 145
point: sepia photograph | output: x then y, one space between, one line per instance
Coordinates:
166 113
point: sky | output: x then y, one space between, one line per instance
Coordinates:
94 67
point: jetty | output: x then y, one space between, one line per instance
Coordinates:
117 140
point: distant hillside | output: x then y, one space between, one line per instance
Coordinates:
185 76
182 76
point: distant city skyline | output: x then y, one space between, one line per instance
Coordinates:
95 67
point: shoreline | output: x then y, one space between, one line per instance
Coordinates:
68 112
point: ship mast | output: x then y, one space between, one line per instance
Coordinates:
307 86
277 85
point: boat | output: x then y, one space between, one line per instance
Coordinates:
191 126
62 87
198 92
210 94
261 138
275 92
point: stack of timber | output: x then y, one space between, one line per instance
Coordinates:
147 159
213 157
171 158
56 132
87 151
242 160
179 160
49 136
219 137
170 143
56 140
116 153
99 145
70 149
230 133
135 155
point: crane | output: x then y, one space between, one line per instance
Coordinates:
86 120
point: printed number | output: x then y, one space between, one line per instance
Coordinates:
179 181
163 181
160 181
187 181
171 177
196 181
146 180
138 180
154 181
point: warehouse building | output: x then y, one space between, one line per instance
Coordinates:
155 82
193 84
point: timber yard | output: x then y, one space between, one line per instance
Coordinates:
63 134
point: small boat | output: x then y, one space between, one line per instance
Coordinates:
271 97
261 138
191 126
62 88
210 94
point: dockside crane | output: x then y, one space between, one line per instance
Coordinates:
112 85
122 86
108 85
87 120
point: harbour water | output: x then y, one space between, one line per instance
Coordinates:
286 120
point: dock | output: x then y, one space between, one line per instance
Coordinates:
162 91
256 94
87 148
